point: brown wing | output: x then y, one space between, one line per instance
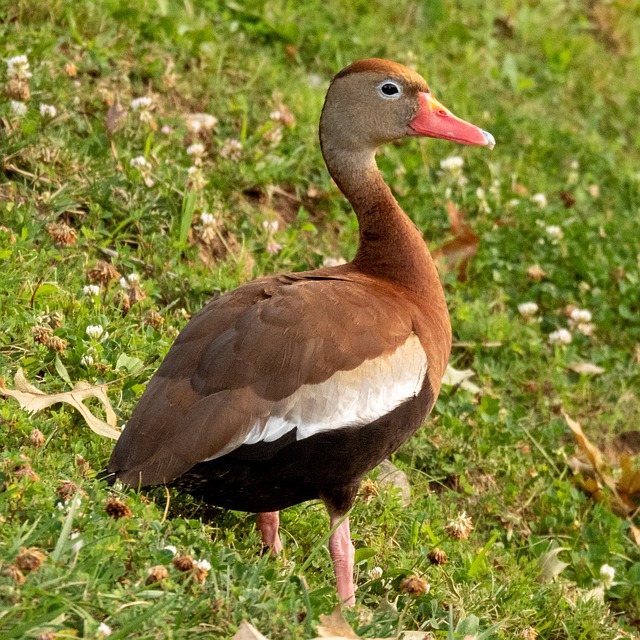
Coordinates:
245 352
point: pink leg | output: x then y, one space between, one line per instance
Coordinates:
342 553
268 524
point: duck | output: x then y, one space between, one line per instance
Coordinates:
294 386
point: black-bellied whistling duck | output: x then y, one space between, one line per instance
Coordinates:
294 386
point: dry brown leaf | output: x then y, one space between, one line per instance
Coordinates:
248 632
115 118
629 483
586 368
592 452
33 400
335 626
457 252
580 467
627 442
626 492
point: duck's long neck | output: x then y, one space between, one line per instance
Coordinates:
390 247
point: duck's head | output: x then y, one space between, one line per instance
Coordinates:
374 101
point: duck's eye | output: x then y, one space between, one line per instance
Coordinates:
389 89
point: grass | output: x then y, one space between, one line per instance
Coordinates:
558 86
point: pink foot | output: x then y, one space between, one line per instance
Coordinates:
268 524
342 554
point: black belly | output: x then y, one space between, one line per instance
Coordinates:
269 476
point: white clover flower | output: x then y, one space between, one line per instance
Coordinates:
141 104
86 360
18 67
273 136
528 309
76 545
460 527
133 278
586 328
554 232
18 108
104 629
561 336
580 315
375 573
123 283
273 247
540 199
171 548
48 111
275 115
197 122
196 177
202 564
208 219
270 226
196 149
91 290
607 574
514 202
452 164
140 163
575 165
580 321
232 149
482 197
166 129
594 190
94 331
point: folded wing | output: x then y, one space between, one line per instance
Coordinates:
280 354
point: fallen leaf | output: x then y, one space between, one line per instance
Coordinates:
115 118
550 565
33 400
460 377
248 632
627 442
580 467
593 453
536 272
391 476
335 626
586 368
626 492
629 483
457 252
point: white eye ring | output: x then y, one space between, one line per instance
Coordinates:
389 90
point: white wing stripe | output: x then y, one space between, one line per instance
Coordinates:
348 398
